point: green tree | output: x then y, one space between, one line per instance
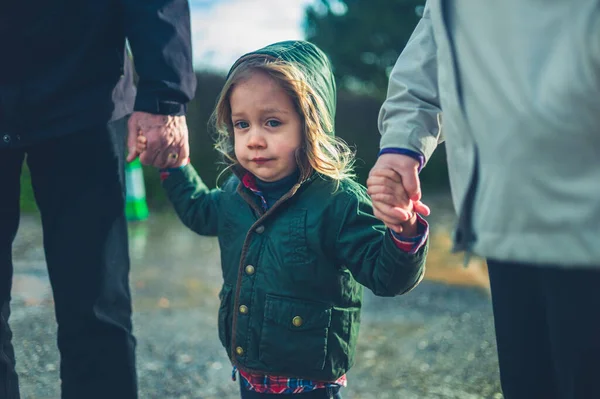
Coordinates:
363 38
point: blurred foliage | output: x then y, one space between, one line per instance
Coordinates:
363 38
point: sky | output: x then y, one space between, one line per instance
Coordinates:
223 30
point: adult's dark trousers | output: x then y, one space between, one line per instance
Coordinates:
547 322
78 185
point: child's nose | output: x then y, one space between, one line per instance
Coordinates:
256 139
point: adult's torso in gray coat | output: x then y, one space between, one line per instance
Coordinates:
519 86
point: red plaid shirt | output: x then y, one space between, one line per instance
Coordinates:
283 385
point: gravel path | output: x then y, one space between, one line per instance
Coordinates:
436 342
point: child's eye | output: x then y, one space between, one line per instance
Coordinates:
241 125
273 123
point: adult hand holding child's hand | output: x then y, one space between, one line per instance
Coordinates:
167 139
390 183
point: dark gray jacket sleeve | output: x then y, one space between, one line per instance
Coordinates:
159 34
409 116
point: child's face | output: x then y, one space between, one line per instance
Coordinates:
267 128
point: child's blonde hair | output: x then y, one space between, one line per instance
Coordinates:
321 151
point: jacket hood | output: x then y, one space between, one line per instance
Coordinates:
315 65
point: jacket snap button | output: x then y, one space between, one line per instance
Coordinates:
260 229
250 270
243 309
297 321
239 350
6 138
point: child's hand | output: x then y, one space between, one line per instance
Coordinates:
141 143
391 204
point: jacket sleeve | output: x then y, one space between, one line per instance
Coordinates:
194 203
159 35
408 118
366 248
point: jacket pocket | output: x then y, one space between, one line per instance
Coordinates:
294 335
225 316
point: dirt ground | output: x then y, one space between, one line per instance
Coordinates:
436 342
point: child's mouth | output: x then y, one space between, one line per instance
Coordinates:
260 161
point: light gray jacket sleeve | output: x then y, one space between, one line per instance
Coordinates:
408 118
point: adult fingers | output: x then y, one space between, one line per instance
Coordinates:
395 190
176 154
158 146
392 214
384 173
384 181
390 222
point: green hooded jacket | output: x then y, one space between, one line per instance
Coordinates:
294 274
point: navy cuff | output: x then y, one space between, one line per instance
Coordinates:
158 107
403 151
416 242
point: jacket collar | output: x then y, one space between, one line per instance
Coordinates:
247 185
